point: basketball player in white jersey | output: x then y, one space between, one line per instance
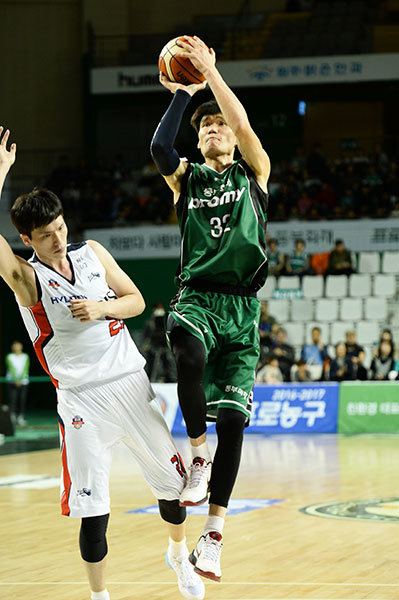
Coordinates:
73 299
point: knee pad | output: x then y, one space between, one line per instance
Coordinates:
230 424
172 512
92 539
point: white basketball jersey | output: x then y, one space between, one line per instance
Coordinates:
75 353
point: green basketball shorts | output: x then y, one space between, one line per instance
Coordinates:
228 326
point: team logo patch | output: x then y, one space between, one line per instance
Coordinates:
77 422
93 275
378 510
53 283
83 492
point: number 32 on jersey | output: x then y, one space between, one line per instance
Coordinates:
219 225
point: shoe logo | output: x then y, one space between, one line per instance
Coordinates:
77 422
84 492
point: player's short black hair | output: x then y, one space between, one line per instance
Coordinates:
39 207
206 108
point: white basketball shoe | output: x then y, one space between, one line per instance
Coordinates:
190 585
206 556
196 490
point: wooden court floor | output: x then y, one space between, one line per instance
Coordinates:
270 553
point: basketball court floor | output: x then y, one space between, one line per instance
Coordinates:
312 518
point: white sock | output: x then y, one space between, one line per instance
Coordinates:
201 451
104 595
214 523
177 548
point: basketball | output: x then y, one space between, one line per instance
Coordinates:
178 68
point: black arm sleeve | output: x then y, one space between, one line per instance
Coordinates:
164 154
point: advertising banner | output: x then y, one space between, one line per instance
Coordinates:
290 408
369 407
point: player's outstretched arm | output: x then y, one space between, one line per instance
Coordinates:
129 302
232 109
162 145
15 271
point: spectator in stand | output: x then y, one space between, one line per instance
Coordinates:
61 175
160 364
268 327
275 258
341 367
17 376
297 263
340 260
283 352
316 164
300 374
394 214
356 353
315 353
270 372
383 363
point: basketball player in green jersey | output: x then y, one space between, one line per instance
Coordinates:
213 323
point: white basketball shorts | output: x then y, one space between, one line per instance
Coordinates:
92 419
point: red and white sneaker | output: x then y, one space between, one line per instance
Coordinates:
206 556
196 490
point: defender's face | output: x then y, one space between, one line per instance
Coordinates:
49 241
215 137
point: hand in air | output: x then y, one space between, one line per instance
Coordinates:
7 157
191 89
86 310
202 57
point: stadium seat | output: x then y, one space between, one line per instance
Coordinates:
285 282
384 285
312 286
295 333
368 332
369 262
279 309
336 286
359 285
326 309
351 309
301 310
324 328
338 330
390 262
376 309
267 290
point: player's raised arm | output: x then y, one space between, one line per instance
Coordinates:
233 111
15 271
162 150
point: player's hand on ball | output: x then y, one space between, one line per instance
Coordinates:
202 57
86 310
191 89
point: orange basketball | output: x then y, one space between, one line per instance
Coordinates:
178 68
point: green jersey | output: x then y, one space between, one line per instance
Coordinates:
222 220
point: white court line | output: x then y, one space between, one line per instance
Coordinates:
252 583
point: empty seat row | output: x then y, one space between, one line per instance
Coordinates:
329 309
335 286
371 262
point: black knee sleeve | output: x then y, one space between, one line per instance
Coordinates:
230 426
92 539
172 512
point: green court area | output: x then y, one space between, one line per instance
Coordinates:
40 433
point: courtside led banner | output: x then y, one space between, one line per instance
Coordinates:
259 73
369 407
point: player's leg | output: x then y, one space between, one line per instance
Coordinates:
150 441
190 355
94 549
23 392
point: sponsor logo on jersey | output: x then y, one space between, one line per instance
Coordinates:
77 422
53 283
224 198
67 299
83 492
93 275
378 510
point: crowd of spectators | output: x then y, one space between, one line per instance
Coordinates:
306 187
319 361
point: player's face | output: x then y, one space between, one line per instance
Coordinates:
215 137
49 241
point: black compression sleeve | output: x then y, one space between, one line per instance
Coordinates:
164 154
